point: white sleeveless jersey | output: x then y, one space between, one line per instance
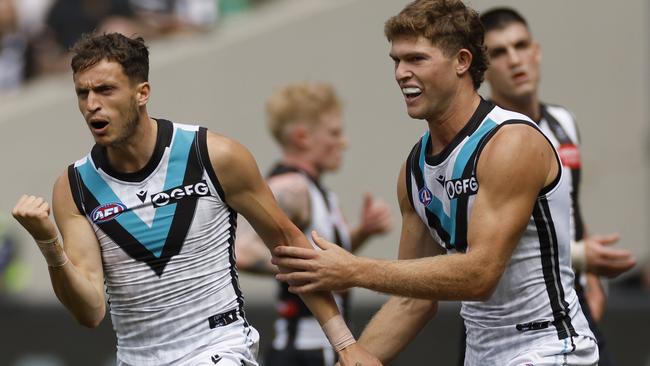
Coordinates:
534 301
296 326
559 125
166 237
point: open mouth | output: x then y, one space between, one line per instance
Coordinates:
98 125
411 93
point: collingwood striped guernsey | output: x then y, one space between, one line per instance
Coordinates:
559 125
166 237
534 302
297 328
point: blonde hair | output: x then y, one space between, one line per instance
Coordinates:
301 102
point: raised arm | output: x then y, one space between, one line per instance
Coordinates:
247 193
76 272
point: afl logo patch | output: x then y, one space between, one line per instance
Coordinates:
425 196
107 212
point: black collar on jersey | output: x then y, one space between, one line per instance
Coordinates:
281 168
555 126
163 140
481 111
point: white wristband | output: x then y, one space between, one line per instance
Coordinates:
337 333
53 252
578 256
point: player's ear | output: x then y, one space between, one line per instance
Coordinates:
463 61
537 52
298 135
143 91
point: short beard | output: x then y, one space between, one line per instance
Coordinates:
132 122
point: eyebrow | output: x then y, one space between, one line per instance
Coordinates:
97 88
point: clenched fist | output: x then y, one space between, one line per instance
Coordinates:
33 213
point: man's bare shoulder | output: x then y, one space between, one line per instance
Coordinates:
227 154
289 181
517 152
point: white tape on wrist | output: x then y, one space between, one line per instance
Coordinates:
338 333
578 256
53 252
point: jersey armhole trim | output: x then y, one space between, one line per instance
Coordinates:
548 188
204 159
75 188
409 173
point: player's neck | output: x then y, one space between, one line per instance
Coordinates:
451 120
301 163
133 154
526 105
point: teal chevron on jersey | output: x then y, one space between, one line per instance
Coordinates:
152 238
434 206
462 160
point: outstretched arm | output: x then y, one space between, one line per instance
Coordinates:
247 193
513 168
76 272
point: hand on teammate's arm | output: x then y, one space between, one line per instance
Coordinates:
247 193
329 269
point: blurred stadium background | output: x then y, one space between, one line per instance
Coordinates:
219 73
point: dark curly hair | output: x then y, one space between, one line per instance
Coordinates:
131 53
449 25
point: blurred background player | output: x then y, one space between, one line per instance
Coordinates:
306 120
513 76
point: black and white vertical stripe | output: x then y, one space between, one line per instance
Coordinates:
551 268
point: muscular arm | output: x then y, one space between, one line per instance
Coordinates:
513 168
292 195
247 193
402 318
79 284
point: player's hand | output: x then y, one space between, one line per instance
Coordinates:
33 213
329 269
375 216
355 355
603 260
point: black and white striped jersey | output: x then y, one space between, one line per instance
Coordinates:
534 301
560 127
166 237
296 327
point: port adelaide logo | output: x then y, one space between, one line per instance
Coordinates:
175 194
